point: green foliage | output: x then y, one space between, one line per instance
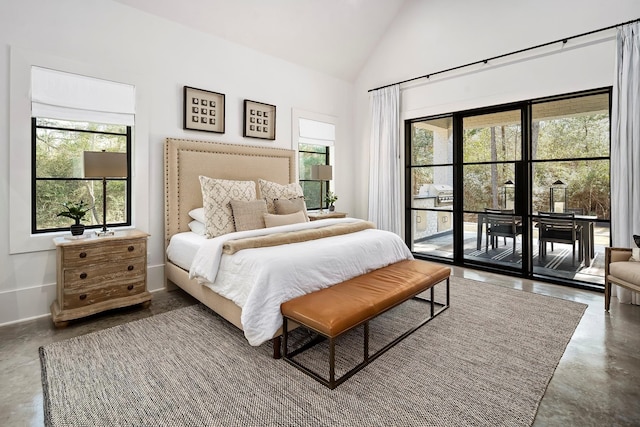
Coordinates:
331 198
75 210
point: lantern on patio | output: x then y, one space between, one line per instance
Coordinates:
507 191
558 196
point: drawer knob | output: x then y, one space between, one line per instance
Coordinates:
130 268
83 296
130 248
130 287
83 275
83 254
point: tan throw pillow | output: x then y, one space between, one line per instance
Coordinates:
271 220
216 195
289 206
248 215
272 190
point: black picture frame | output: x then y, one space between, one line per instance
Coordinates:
259 120
204 110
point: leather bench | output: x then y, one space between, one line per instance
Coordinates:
332 311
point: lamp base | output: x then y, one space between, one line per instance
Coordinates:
103 233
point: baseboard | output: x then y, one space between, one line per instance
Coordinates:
25 304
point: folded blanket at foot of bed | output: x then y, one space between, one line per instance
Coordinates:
233 246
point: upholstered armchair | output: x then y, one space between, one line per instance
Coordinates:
618 270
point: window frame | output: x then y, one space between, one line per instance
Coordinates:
327 161
35 179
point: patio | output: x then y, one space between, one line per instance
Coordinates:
557 262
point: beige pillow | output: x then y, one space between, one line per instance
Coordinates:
248 215
272 190
271 220
289 206
216 195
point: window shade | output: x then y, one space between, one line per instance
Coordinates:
315 132
66 96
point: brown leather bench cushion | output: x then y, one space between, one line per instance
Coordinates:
333 310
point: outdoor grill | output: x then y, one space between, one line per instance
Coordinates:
443 194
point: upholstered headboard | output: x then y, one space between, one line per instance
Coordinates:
185 160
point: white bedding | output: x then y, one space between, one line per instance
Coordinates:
259 280
183 247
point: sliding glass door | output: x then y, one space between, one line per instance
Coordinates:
491 156
521 188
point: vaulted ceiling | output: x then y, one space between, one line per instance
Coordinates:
331 36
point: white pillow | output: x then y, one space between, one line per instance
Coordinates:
216 196
271 220
197 227
197 214
272 190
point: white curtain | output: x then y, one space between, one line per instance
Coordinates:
625 147
385 191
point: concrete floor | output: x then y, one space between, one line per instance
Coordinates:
597 382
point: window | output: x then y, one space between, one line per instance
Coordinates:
57 147
71 114
315 139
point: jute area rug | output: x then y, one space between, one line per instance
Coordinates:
484 362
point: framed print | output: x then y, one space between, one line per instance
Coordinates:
203 110
259 120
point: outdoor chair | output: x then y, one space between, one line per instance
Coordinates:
556 227
502 226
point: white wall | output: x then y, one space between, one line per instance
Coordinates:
429 36
161 57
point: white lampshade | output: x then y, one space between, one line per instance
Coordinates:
322 172
103 164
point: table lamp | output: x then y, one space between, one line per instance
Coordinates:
103 164
321 173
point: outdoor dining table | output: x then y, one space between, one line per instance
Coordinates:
587 223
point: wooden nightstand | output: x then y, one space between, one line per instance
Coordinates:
326 214
95 274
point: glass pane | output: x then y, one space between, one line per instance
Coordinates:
432 233
59 152
306 160
98 127
51 194
581 260
494 238
432 142
432 187
585 187
571 128
488 186
493 137
311 191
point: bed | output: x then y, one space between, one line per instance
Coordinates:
185 162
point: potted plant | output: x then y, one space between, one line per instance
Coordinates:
331 199
75 211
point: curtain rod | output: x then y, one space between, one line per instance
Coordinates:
484 61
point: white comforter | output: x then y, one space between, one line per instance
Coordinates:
259 280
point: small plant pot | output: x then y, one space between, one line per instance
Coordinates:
77 229
332 208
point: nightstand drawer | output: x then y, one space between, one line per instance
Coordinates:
82 297
109 251
104 274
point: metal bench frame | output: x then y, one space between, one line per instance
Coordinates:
332 382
